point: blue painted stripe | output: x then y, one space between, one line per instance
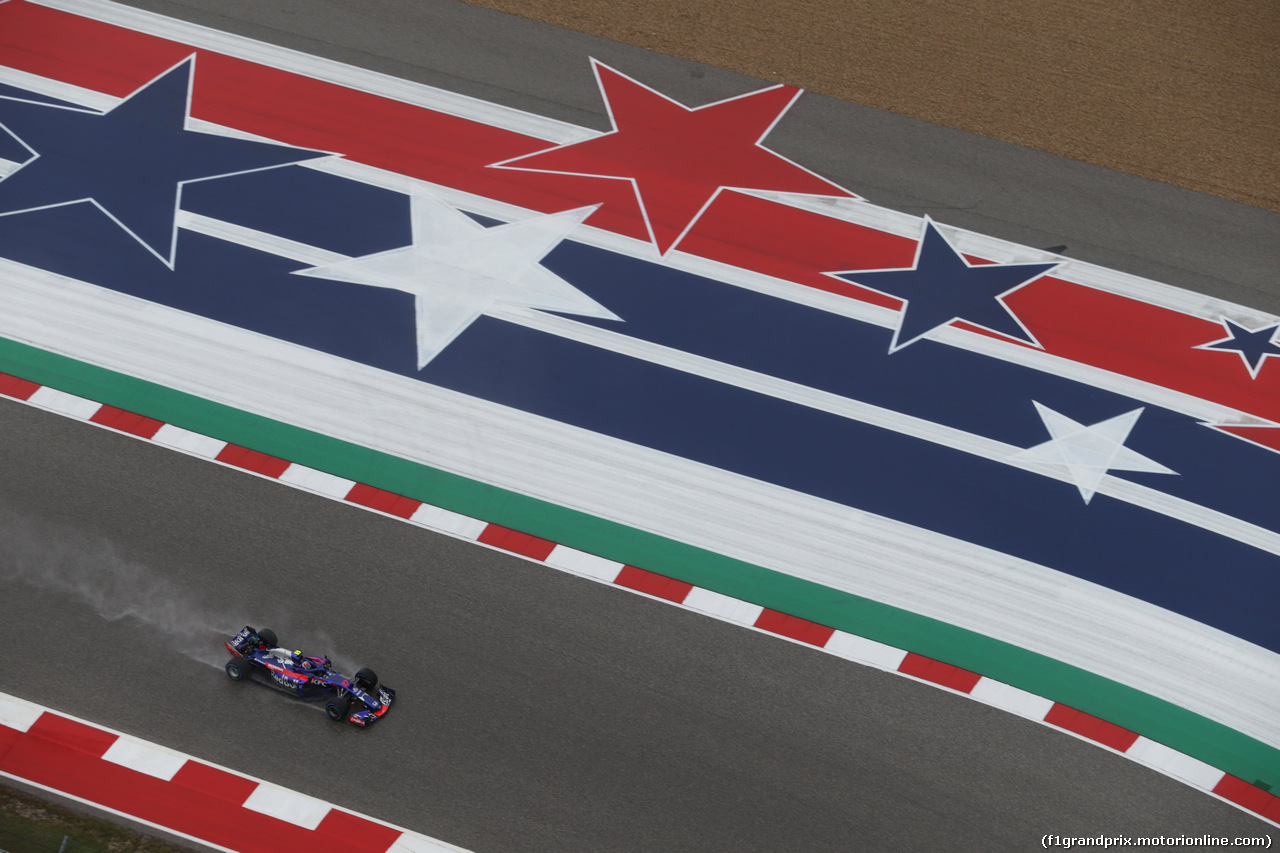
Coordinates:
307 206
16 92
222 281
1182 568
935 382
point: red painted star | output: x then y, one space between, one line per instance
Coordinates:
679 159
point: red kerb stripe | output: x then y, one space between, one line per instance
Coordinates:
218 783
8 737
383 501
15 387
938 672
1251 797
78 736
652 583
129 422
794 627
1094 728
517 542
252 460
356 834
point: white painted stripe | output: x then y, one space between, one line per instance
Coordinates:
145 757
1036 608
584 564
64 403
411 842
1173 763
317 481
188 442
56 89
722 606
257 240
290 806
861 650
447 521
1011 699
18 713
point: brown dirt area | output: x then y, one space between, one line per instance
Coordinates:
1182 91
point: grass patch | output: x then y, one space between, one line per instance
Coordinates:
32 825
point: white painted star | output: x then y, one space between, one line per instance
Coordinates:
1088 452
458 270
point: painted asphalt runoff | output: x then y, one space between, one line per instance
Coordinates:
541 711
1171 235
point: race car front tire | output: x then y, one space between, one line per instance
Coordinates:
367 679
237 669
337 708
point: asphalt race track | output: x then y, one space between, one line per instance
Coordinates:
537 711
540 711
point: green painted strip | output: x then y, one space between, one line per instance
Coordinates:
1161 721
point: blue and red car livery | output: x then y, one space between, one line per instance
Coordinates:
358 699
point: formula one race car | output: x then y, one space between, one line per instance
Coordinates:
358 698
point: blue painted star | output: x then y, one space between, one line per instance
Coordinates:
942 286
130 161
1252 347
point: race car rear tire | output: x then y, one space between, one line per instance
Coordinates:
337 708
237 669
367 679
268 637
